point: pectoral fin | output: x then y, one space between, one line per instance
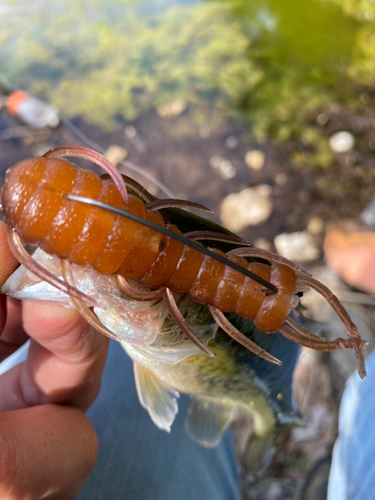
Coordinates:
156 397
207 419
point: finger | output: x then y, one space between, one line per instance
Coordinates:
8 263
45 452
13 336
65 360
14 331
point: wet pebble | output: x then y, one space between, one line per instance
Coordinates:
246 208
322 119
254 159
368 214
341 142
298 246
263 243
231 141
115 154
224 167
171 109
281 178
315 225
130 131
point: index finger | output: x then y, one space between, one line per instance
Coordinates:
64 364
8 261
66 356
8 264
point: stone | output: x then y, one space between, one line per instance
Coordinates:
281 178
115 154
341 142
298 246
254 159
249 207
315 225
171 109
368 214
231 141
224 167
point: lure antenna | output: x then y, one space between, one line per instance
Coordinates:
271 289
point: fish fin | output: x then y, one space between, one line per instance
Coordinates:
156 397
207 419
258 454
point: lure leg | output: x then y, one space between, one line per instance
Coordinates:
136 293
233 332
85 312
213 236
334 345
95 157
272 257
181 323
353 335
302 331
152 204
173 203
24 258
305 278
137 188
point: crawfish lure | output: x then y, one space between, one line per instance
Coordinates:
83 219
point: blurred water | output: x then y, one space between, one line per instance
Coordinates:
188 75
115 60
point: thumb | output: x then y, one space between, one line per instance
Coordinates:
45 452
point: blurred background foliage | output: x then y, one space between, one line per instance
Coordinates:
276 64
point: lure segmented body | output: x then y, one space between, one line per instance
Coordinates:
51 204
34 206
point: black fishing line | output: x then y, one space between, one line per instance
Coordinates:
167 232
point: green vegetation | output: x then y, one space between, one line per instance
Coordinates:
275 63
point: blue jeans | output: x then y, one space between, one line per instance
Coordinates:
138 461
352 474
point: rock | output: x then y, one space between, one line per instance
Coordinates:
263 244
130 131
246 208
231 141
254 159
281 178
341 142
298 246
225 168
368 214
115 154
171 109
322 119
315 225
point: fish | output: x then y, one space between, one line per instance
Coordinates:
166 363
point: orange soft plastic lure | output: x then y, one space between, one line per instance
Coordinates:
37 207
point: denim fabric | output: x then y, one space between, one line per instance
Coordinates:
352 475
138 461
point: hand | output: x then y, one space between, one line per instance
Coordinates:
47 446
